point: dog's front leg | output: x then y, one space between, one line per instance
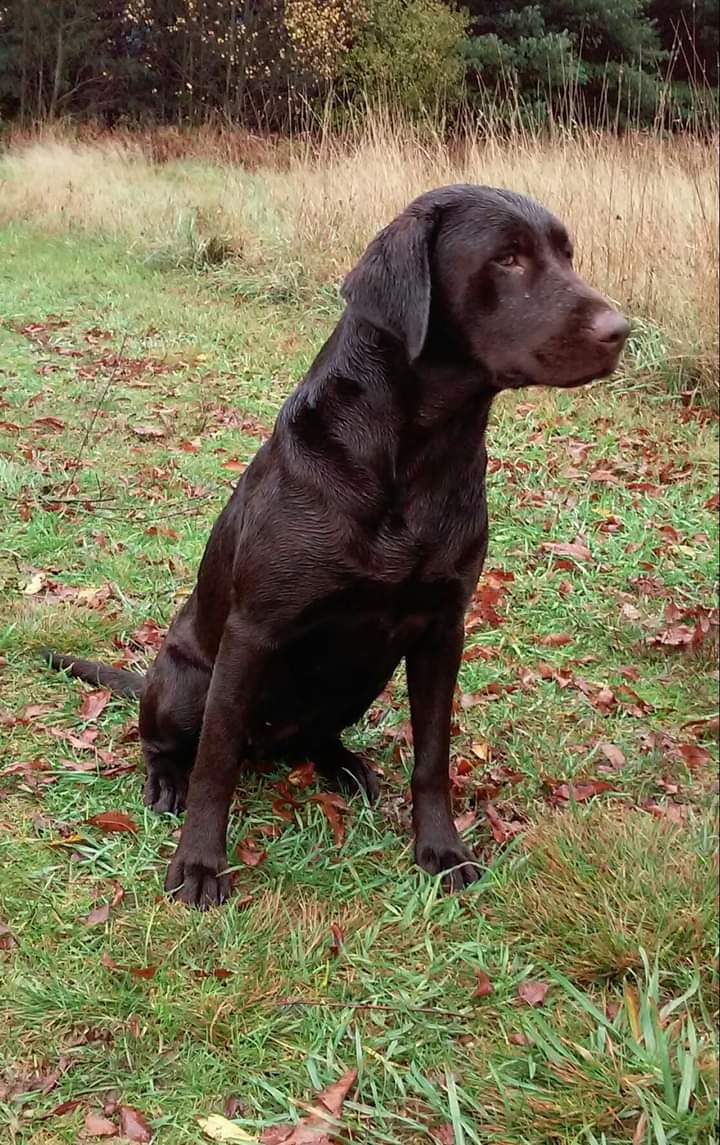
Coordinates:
432 668
197 873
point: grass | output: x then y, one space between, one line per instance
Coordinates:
643 209
133 388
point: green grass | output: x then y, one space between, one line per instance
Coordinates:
610 905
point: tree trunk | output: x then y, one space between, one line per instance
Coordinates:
59 60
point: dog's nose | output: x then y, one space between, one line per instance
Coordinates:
610 328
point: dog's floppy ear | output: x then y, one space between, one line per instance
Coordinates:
390 287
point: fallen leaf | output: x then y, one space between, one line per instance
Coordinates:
302 776
443 1135
499 831
333 805
533 992
639 1134
518 1039
630 612
555 639
483 986
579 792
113 821
248 853
63 1107
677 813
317 1128
34 585
233 1105
47 422
148 431
338 938
218 1128
693 755
575 549
100 914
161 531
613 754
98 1126
465 820
94 703
234 464
134 971
133 1125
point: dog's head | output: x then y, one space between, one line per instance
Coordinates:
486 276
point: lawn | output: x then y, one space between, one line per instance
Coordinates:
571 995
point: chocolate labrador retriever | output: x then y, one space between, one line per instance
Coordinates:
356 536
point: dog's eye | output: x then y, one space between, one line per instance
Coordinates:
568 252
510 258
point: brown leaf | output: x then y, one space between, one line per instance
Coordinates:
94 703
575 549
48 422
465 820
443 1135
113 821
317 1128
302 776
63 1107
101 914
148 431
161 531
630 612
234 464
677 813
580 791
533 992
134 971
499 830
332 806
555 639
233 1105
675 636
98 1126
518 1039
338 938
248 853
149 634
693 755
483 986
613 754
133 1125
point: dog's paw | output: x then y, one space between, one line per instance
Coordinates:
165 793
198 879
449 857
356 775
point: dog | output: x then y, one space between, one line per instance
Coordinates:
356 536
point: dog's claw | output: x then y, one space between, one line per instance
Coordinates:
455 862
197 882
165 794
356 775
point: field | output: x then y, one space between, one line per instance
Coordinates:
152 319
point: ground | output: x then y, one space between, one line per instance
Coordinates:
570 995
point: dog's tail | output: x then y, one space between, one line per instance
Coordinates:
118 680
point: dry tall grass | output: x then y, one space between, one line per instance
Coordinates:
643 209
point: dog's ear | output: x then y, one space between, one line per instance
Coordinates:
390 287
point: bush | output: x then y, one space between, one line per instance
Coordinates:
408 52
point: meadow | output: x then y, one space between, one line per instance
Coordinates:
160 295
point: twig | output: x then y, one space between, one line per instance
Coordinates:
103 394
370 1006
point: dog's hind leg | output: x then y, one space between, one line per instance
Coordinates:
340 765
171 712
